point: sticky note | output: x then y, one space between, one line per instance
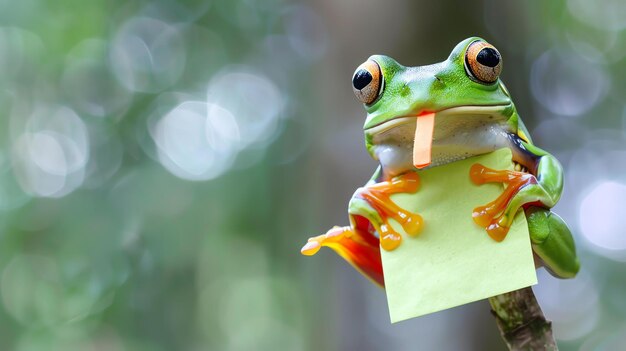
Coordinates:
453 261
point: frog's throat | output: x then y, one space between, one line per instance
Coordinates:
459 133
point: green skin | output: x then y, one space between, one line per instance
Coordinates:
472 118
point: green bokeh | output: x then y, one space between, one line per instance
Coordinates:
130 221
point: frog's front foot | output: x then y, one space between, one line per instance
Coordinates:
378 197
370 210
497 216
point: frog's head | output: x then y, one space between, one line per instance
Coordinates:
471 106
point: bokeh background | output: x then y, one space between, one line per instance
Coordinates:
162 162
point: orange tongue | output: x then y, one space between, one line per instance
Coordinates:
423 140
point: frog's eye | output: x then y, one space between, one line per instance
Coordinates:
367 82
483 62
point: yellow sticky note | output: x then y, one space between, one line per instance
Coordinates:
453 261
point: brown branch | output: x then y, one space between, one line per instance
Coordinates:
521 321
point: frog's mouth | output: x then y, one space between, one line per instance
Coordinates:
431 139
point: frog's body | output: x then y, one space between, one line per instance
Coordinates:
473 114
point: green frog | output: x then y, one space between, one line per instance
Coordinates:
427 116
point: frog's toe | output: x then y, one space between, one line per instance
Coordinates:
310 248
413 224
497 230
482 216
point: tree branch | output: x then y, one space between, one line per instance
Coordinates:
521 321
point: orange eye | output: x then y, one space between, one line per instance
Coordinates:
483 62
367 82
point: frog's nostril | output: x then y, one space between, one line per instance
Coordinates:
361 79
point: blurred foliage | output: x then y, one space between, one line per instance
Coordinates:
162 161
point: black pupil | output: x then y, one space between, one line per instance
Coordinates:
361 79
488 57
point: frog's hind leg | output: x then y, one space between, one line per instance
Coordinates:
552 242
354 244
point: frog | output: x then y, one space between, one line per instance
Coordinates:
428 116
